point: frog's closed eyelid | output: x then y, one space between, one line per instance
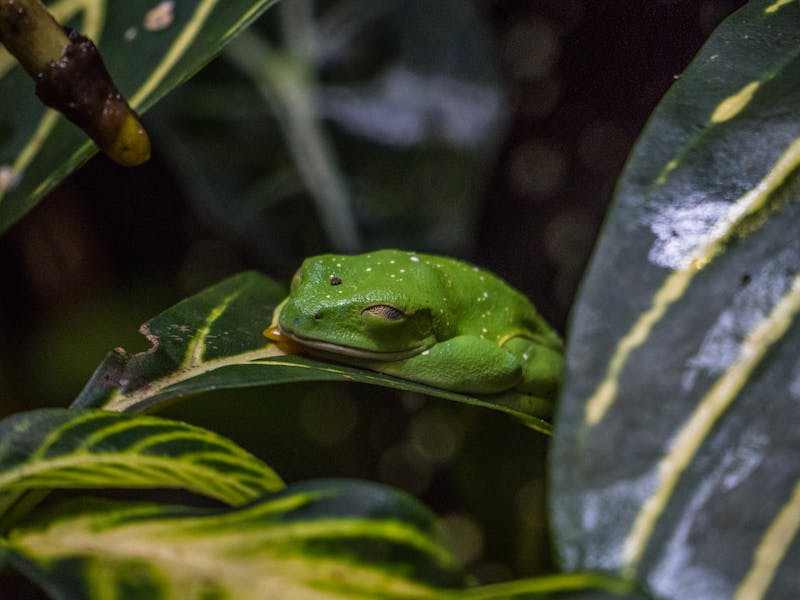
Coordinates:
384 311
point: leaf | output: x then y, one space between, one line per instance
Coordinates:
38 148
214 340
325 539
59 448
677 455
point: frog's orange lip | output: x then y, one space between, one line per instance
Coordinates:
282 341
333 349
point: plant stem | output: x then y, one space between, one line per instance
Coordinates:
31 34
70 76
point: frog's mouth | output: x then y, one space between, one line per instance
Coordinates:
321 347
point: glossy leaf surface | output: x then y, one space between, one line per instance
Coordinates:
676 459
146 58
59 448
215 340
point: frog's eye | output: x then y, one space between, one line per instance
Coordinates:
384 311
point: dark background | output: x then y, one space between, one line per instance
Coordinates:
112 247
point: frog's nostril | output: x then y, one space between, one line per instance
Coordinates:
318 316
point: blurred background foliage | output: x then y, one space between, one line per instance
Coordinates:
492 131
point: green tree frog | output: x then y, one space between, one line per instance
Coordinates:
425 318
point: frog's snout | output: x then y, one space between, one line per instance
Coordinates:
307 322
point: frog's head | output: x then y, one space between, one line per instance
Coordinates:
364 307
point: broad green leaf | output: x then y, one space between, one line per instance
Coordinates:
677 456
316 540
215 340
38 148
59 448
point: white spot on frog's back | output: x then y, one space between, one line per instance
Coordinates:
413 258
679 230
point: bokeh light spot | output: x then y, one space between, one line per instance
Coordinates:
537 169
532 48
463 536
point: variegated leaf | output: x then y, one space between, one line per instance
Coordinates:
59 448
677 456
315 540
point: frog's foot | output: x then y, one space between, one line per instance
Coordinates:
466 364
542 367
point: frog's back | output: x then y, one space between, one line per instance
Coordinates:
489 307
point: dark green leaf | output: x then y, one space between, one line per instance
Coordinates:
215 340
38 148
676 456
59 448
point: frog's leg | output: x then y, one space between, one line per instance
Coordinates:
465 363
542 366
